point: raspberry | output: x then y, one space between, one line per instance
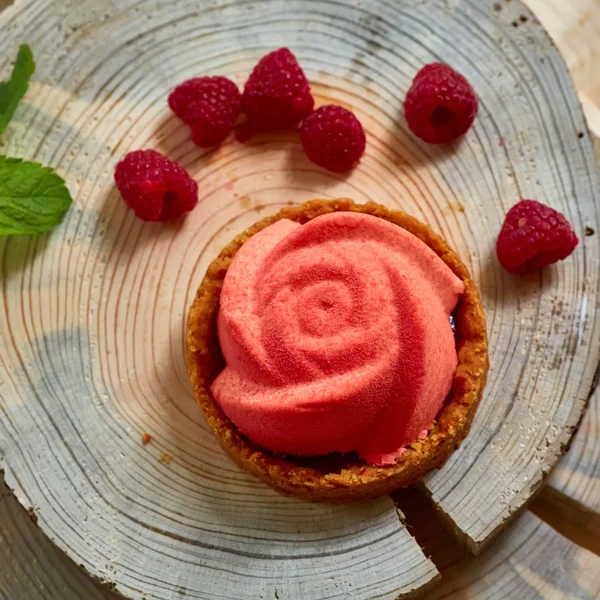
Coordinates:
209 105
155 187
533 236
440 105
277 94
333 138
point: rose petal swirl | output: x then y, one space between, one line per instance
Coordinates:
336 337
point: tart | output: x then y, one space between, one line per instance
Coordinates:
318 450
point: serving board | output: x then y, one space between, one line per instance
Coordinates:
93 314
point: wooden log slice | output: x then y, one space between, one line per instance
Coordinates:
93 314
570 501
529 560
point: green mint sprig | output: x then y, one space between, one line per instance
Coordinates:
14 89
33 199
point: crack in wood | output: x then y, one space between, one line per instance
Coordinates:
570 518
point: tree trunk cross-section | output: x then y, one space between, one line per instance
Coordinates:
93 314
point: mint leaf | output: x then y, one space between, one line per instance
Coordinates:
14 89
33 199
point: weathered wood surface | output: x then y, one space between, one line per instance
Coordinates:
115 487
577 475
575 27
31 567
532 561
571 500
529 561
543 358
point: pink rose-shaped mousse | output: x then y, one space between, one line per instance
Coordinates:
336 336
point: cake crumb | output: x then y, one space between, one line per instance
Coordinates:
32 515
146 438
165 458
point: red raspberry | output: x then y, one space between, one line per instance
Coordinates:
277 94
533 236
209 105
333 138
440 105
155 187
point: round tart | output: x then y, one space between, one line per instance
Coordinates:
341 478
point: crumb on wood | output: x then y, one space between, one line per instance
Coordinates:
580 135
165 458
454 207
32 515
146 438
589 231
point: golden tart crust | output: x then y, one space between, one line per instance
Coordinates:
355 480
